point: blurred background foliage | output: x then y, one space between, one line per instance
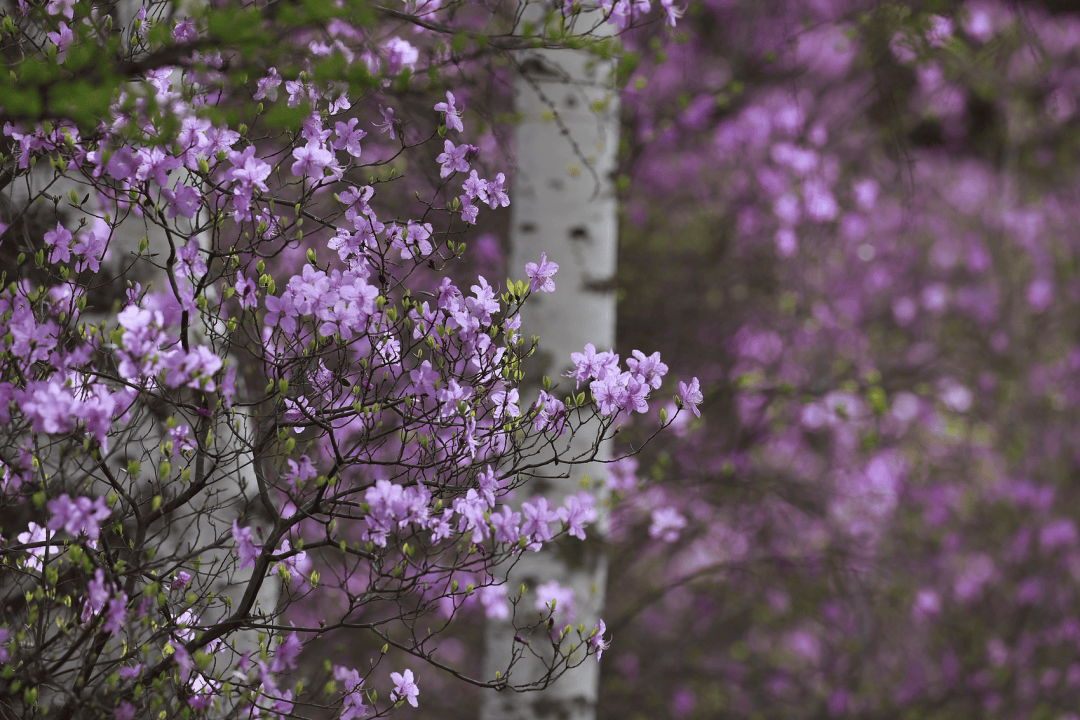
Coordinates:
856 222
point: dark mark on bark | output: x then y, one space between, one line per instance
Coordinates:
536 67
600 286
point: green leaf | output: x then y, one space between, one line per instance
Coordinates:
281 117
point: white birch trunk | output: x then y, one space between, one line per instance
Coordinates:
563 204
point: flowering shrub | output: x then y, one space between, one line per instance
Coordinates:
243 407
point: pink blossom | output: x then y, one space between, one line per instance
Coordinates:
247 550
79 516
540 276
404 687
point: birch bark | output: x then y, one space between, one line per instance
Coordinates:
563 204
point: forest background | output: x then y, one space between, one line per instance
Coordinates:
855 223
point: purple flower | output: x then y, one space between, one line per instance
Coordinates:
453 158
245 291
418 235
666 524
673 13
939 32
348 677
61 6
91 245
298 473
551 413
60 242
248 170
597 640
353 703
61 40
122 164
81 515
649 369
474 187
538 518
399 55
97 592
507 525
690 395
636 392
340 105
540 275
591 365
468 210
551 594
130 672
505 401
246 548
184 201
154 164
299 92
297 565
49 405
488 485
311 160
609 394
219 139
348 137
352 706
622 474
493 600
185 625
423 380
1060 533
116 615
388 124
268 86
404 687
471 508
493 193
285 656
185 31
453 115
312 129
450 394
34 534
578 510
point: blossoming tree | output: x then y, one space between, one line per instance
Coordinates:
244 407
